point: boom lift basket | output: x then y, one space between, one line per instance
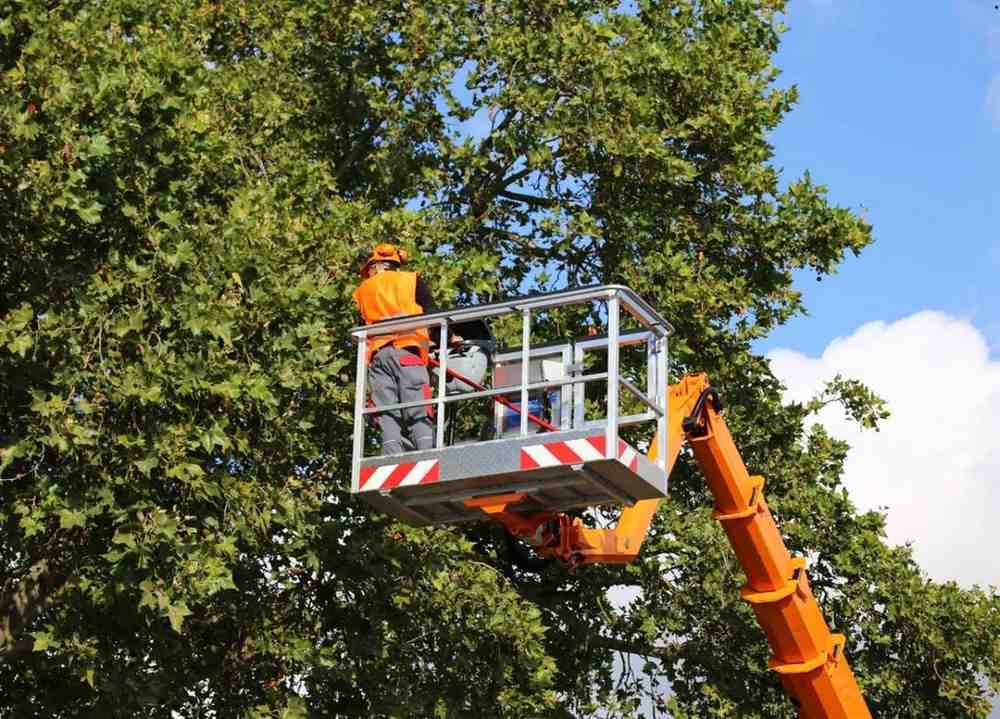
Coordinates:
551 457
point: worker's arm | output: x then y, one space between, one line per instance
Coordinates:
422 294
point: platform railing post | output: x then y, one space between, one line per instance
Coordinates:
662 380
442 383
360 387
525 368
579 390
652 369
565 394
611 433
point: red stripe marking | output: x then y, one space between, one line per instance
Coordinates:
397 476
433 474
623 447
562 452
366 474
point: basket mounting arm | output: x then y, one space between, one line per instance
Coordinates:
564 538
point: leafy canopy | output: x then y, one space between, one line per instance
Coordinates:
184 186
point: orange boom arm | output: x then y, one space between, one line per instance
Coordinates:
807 657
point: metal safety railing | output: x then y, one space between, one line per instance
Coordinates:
653 334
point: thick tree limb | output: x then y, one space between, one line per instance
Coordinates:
489 191
516 177
18 649
531 200
665 654
22 604
508 235
360 145
540 202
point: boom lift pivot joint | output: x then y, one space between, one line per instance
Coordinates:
807 657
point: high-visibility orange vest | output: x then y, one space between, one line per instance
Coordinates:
387 295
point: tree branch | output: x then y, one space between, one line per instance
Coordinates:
504 234
665 654
516 177
359 147
25 602
531 200
18 649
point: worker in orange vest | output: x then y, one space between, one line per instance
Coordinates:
397 364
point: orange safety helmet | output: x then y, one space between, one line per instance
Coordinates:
383 253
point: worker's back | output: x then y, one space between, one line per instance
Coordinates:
385 295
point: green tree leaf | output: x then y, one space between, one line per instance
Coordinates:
176 613
182 212
69 518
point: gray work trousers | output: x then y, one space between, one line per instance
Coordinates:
396 376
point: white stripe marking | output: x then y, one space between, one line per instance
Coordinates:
541 456
379 476
419 471
628 456
584 450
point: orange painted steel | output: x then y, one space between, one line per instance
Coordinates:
807 657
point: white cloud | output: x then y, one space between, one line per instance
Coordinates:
981 19
936 462
993 99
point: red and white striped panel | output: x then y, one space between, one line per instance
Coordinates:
389 476
575 451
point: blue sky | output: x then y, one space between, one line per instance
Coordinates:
899 113
895 115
